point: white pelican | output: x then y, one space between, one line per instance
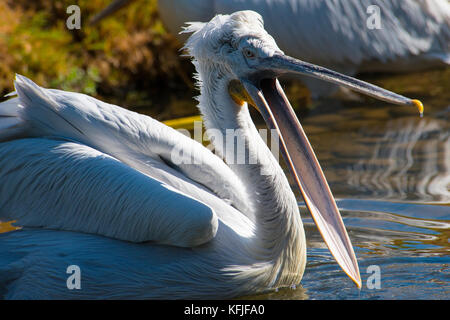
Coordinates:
412 35
145 226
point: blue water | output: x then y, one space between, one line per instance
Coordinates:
408 242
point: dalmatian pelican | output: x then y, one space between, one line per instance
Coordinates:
144 211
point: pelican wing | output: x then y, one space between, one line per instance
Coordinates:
69 186
110 170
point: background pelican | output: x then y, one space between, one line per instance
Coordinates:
414 35
209 229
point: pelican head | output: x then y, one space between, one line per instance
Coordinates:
240 44
250 59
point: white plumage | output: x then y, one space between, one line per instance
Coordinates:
97 168
140 224
92 167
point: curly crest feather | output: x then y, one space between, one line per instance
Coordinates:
208 38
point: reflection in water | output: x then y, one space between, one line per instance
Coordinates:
411 161
408 242
387 227
294 293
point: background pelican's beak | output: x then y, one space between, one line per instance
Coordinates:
109 10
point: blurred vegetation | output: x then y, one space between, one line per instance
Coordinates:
129 59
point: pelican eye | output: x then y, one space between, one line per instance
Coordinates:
248 53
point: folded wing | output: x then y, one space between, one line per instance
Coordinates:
68 186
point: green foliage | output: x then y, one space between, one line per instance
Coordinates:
78 80
128 59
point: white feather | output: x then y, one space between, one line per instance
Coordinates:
215 230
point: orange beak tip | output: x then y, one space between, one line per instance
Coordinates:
419 106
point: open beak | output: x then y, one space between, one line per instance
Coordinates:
267 95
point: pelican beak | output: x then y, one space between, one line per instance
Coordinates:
266 94
279 64
109 10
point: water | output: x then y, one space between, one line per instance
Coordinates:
390 172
